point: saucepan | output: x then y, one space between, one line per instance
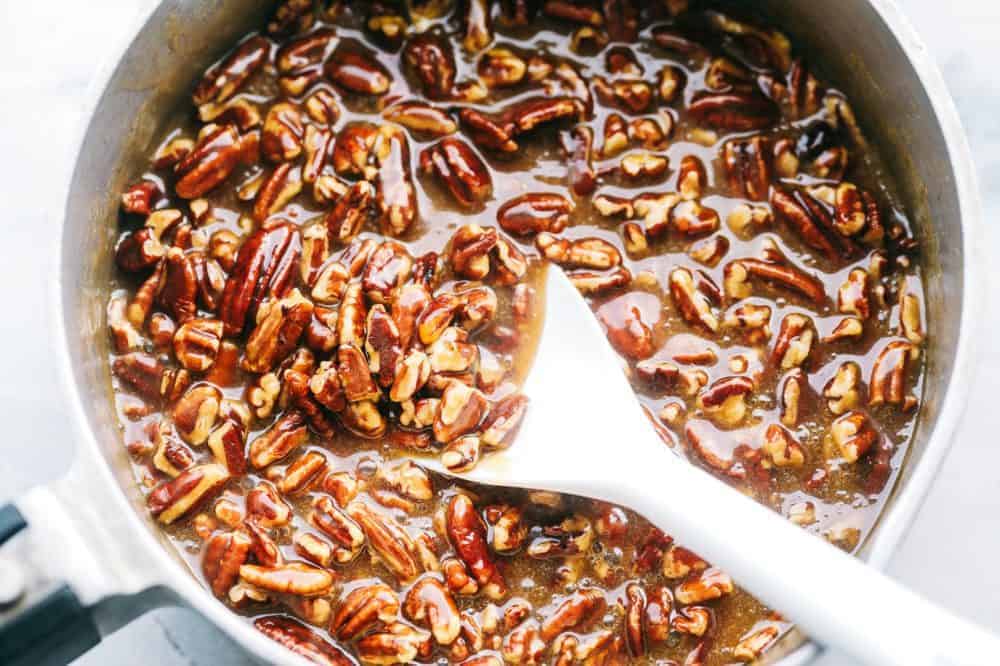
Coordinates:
88 537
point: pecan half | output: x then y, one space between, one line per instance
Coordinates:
297 578
398 643
794 342
433 64
854 435
358 72
735 111
225 78
462 409
573 613
595 253
395 195
209 163
281 136
529 214
362 608
347 535
266 507
887 385
500 68
725 400
195 414
467 533
288 433
280 324
348 215
738 273
179 496
747 167
459 169
783 449
388 267
629 322
352 150
300 61
428 602
302 641
693 305
196 343
264 268
221 561
388 541
228 441
422 118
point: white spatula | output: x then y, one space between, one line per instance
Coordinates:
585 434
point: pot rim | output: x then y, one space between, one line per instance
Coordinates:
893 523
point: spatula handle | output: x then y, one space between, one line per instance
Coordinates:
835 598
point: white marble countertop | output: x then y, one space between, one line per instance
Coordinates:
47 57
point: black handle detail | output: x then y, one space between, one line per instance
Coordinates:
51 632
50 627
11 522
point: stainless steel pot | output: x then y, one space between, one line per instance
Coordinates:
91 530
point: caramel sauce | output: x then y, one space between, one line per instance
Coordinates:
844 497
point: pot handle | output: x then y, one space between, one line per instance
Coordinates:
66 577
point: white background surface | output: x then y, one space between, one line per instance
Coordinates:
50 50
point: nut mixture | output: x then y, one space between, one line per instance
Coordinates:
335 261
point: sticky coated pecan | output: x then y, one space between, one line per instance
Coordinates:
887 385
854 435
300 60
352 150
264 268
738 273
196 412
388 540
397 643
794 342
179 496
348 537
280 324
429 603
395 196
302 641
362 608
281 137
297 578
783 449
433 64
266 507
288 433
462 409
467 533
574 612
422 118
735 111
528 114
629 321
221 561
459 169
209 163
226 77
595 253
810 218
358 72
531 213
747 167
693 305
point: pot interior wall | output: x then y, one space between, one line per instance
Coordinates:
182 37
